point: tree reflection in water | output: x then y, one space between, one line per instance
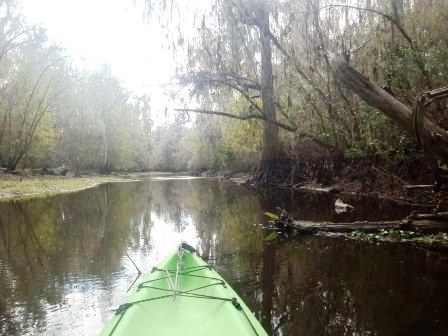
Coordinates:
63 263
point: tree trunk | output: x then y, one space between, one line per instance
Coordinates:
435 138
269 153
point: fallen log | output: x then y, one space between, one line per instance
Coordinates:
432 137
377 97
423 223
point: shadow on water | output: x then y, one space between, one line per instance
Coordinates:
330 287
63 263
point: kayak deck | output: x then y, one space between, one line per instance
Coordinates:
191 300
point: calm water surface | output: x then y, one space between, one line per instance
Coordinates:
63 263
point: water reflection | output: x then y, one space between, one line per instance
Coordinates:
315 206
328 287
63 263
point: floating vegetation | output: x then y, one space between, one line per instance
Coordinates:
400 235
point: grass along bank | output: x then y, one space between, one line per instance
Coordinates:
31 187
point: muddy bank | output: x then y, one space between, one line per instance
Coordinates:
412 190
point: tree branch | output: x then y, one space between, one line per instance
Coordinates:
390 18
244 117
203 77
243 82
297 66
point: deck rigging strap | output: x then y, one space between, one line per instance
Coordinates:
179 265
174 288
122 309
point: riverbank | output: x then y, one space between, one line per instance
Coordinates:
412 191
24 186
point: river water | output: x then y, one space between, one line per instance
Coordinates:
63 262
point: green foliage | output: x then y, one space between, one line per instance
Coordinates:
398 234
367 237
273 235
383 234
431 239
44 143
354 153
222 157
53 114
241 143
50 115
271 215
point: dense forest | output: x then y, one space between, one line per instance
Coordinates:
261 86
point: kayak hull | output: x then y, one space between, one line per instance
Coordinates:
202 304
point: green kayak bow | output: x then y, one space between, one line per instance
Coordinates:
183 296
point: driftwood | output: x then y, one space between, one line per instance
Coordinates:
424 223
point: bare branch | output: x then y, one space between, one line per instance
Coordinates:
243 117
244 82
388 17
212 78
297 66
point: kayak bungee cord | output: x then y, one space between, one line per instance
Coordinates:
180 265
174 291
